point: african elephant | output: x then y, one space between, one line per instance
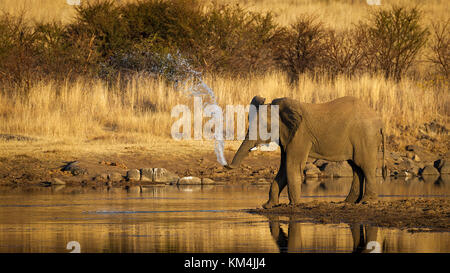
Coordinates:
342 129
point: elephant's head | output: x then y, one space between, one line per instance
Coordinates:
253 137
289 116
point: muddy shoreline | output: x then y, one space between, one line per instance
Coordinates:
414 215
36 164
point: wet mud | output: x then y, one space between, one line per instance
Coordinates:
415 215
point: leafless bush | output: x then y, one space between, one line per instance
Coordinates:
302 47
234 41
440 47
394 38
345 52
17 54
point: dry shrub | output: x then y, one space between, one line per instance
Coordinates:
235 41
345 52
440 47
302 47
394 38
17 53
108 39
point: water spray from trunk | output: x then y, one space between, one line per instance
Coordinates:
194 85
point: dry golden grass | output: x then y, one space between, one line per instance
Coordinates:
40 10
339 14
141 110
44 10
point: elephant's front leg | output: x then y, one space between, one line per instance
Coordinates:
278 183
295 163
276 188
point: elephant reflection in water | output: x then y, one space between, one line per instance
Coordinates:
364 237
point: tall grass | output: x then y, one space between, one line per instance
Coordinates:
141 110
79 105
340 14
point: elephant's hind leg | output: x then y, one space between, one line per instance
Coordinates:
370 191
356 189
366 158
295 163
369 168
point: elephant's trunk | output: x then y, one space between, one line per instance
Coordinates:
243 151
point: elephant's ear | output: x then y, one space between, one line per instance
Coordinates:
291 116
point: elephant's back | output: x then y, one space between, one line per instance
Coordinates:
344 105
345 113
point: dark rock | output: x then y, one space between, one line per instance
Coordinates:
115 177
422 154
161 175
337 169
406 167
45 183
57 181
395 156
133 175
9 137
320 163
395 171
429 170
438 163
311 170
433 128
410 154
74 168
207 181
100 178
443 166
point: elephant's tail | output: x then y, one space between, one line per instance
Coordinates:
383 143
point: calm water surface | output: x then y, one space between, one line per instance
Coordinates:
196 219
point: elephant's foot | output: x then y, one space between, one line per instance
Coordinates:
269 205
294 203
351 198
369 198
